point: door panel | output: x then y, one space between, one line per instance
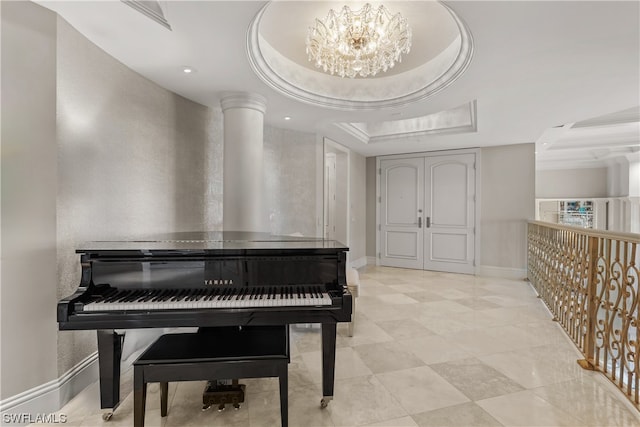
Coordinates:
402 190
401 244
448 247
401 196
450 213
448 179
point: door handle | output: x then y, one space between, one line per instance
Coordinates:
428 222
419 222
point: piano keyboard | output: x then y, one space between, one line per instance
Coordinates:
182 299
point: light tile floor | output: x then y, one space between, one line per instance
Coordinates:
430 349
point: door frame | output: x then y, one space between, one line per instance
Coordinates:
331 146
478 204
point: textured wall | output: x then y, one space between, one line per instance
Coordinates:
507 201
358 207
27 309
579 183
134 159
290 162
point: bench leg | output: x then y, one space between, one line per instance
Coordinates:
284 395
164 396
139 396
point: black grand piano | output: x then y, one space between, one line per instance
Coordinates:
206 280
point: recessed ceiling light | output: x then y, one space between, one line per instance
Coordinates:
287 118
188 70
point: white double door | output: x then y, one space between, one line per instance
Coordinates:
427 212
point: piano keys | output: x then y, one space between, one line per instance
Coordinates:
190 299
206 280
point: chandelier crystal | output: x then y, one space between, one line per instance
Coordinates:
358 43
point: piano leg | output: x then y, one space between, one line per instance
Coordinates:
109 355
328 362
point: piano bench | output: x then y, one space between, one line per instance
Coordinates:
209 354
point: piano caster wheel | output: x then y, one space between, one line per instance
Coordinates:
236 406
221 408
324 403
107 416
205 407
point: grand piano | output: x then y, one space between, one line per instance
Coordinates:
206 280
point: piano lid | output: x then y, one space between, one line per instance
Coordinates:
212 241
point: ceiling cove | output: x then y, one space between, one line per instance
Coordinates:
441 52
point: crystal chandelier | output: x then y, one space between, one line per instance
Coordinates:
358 43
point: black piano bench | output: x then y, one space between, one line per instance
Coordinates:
212 353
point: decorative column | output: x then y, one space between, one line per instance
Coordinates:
243 156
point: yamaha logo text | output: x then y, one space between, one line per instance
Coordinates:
217 282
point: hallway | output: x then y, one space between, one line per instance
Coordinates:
429 349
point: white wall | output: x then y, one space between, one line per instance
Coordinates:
357 209
614 189
507 202
133 161
290 163
342 198
571 183
351 208
29 187
618 178
634 175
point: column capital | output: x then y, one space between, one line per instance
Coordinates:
253 101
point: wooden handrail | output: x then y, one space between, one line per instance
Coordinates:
616 235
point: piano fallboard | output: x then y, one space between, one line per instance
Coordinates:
206 318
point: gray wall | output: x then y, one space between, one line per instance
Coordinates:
579 183
28 167
507 201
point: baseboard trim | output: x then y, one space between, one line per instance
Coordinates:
53 395
371 260
360 262
501 272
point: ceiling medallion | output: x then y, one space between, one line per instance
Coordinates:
358 43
